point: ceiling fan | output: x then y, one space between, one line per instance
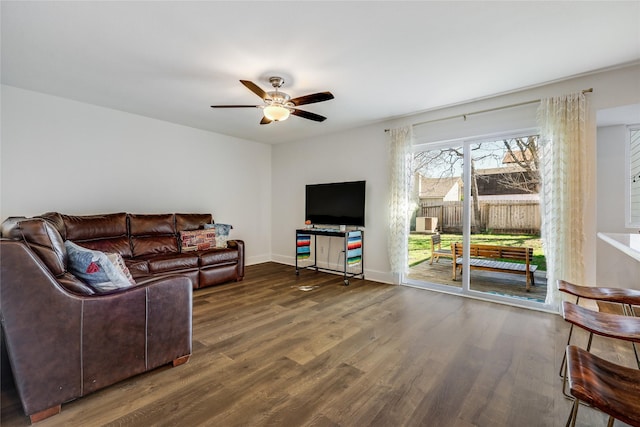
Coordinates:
278 105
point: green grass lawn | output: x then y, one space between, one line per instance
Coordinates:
420 245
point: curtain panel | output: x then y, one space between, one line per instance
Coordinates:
401 203
562 122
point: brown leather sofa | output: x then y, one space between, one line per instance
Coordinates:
65 339
150 244
63 343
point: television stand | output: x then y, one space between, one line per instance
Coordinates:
353 251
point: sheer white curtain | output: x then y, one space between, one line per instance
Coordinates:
401 202
562 122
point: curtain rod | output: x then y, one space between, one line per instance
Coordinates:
488 110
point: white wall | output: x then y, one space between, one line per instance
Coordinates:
611 175
76 158
613 267
363 154
359 154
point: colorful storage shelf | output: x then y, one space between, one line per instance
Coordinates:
303 246
352 254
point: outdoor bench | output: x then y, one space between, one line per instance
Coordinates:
497 258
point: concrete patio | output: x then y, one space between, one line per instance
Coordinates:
513 285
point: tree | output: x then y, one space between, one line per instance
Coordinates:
516 157
522 152
447 162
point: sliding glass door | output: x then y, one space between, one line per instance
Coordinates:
438 223
477 227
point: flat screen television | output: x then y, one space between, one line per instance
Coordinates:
337 203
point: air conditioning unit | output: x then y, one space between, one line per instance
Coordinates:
427 224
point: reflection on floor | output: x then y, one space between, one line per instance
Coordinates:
512 285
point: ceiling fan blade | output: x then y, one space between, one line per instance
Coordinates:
308 115
254 88
235 106
310 99
265 121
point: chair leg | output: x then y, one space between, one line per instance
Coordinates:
627 310
590 341
611 420
571 422
564 385
564 354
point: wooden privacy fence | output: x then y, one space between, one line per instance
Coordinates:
503 216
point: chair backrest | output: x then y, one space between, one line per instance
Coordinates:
435 241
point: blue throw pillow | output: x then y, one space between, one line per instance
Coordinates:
222 233
94 268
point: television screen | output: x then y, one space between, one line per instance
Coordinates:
339 203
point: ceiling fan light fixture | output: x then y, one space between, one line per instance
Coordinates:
276 113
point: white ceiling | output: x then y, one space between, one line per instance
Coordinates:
381 59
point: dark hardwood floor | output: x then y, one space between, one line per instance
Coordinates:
266 353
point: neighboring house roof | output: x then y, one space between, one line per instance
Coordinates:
517 156
491 182
437 187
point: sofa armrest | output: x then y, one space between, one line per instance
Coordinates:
239 245
135 330
62 346
41 323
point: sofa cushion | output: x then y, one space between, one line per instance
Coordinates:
118 245
137 267
73 284
9 228
43 238
92 227
152 225
186 222
153 245
172 262
95 268
56 219
217 256
197 240
104 233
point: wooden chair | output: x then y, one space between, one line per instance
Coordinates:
436 249
613 389
604 324
627 298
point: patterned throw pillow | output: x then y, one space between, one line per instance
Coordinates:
222 233
95 268
118 262
197 240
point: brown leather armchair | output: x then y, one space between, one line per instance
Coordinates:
63 344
